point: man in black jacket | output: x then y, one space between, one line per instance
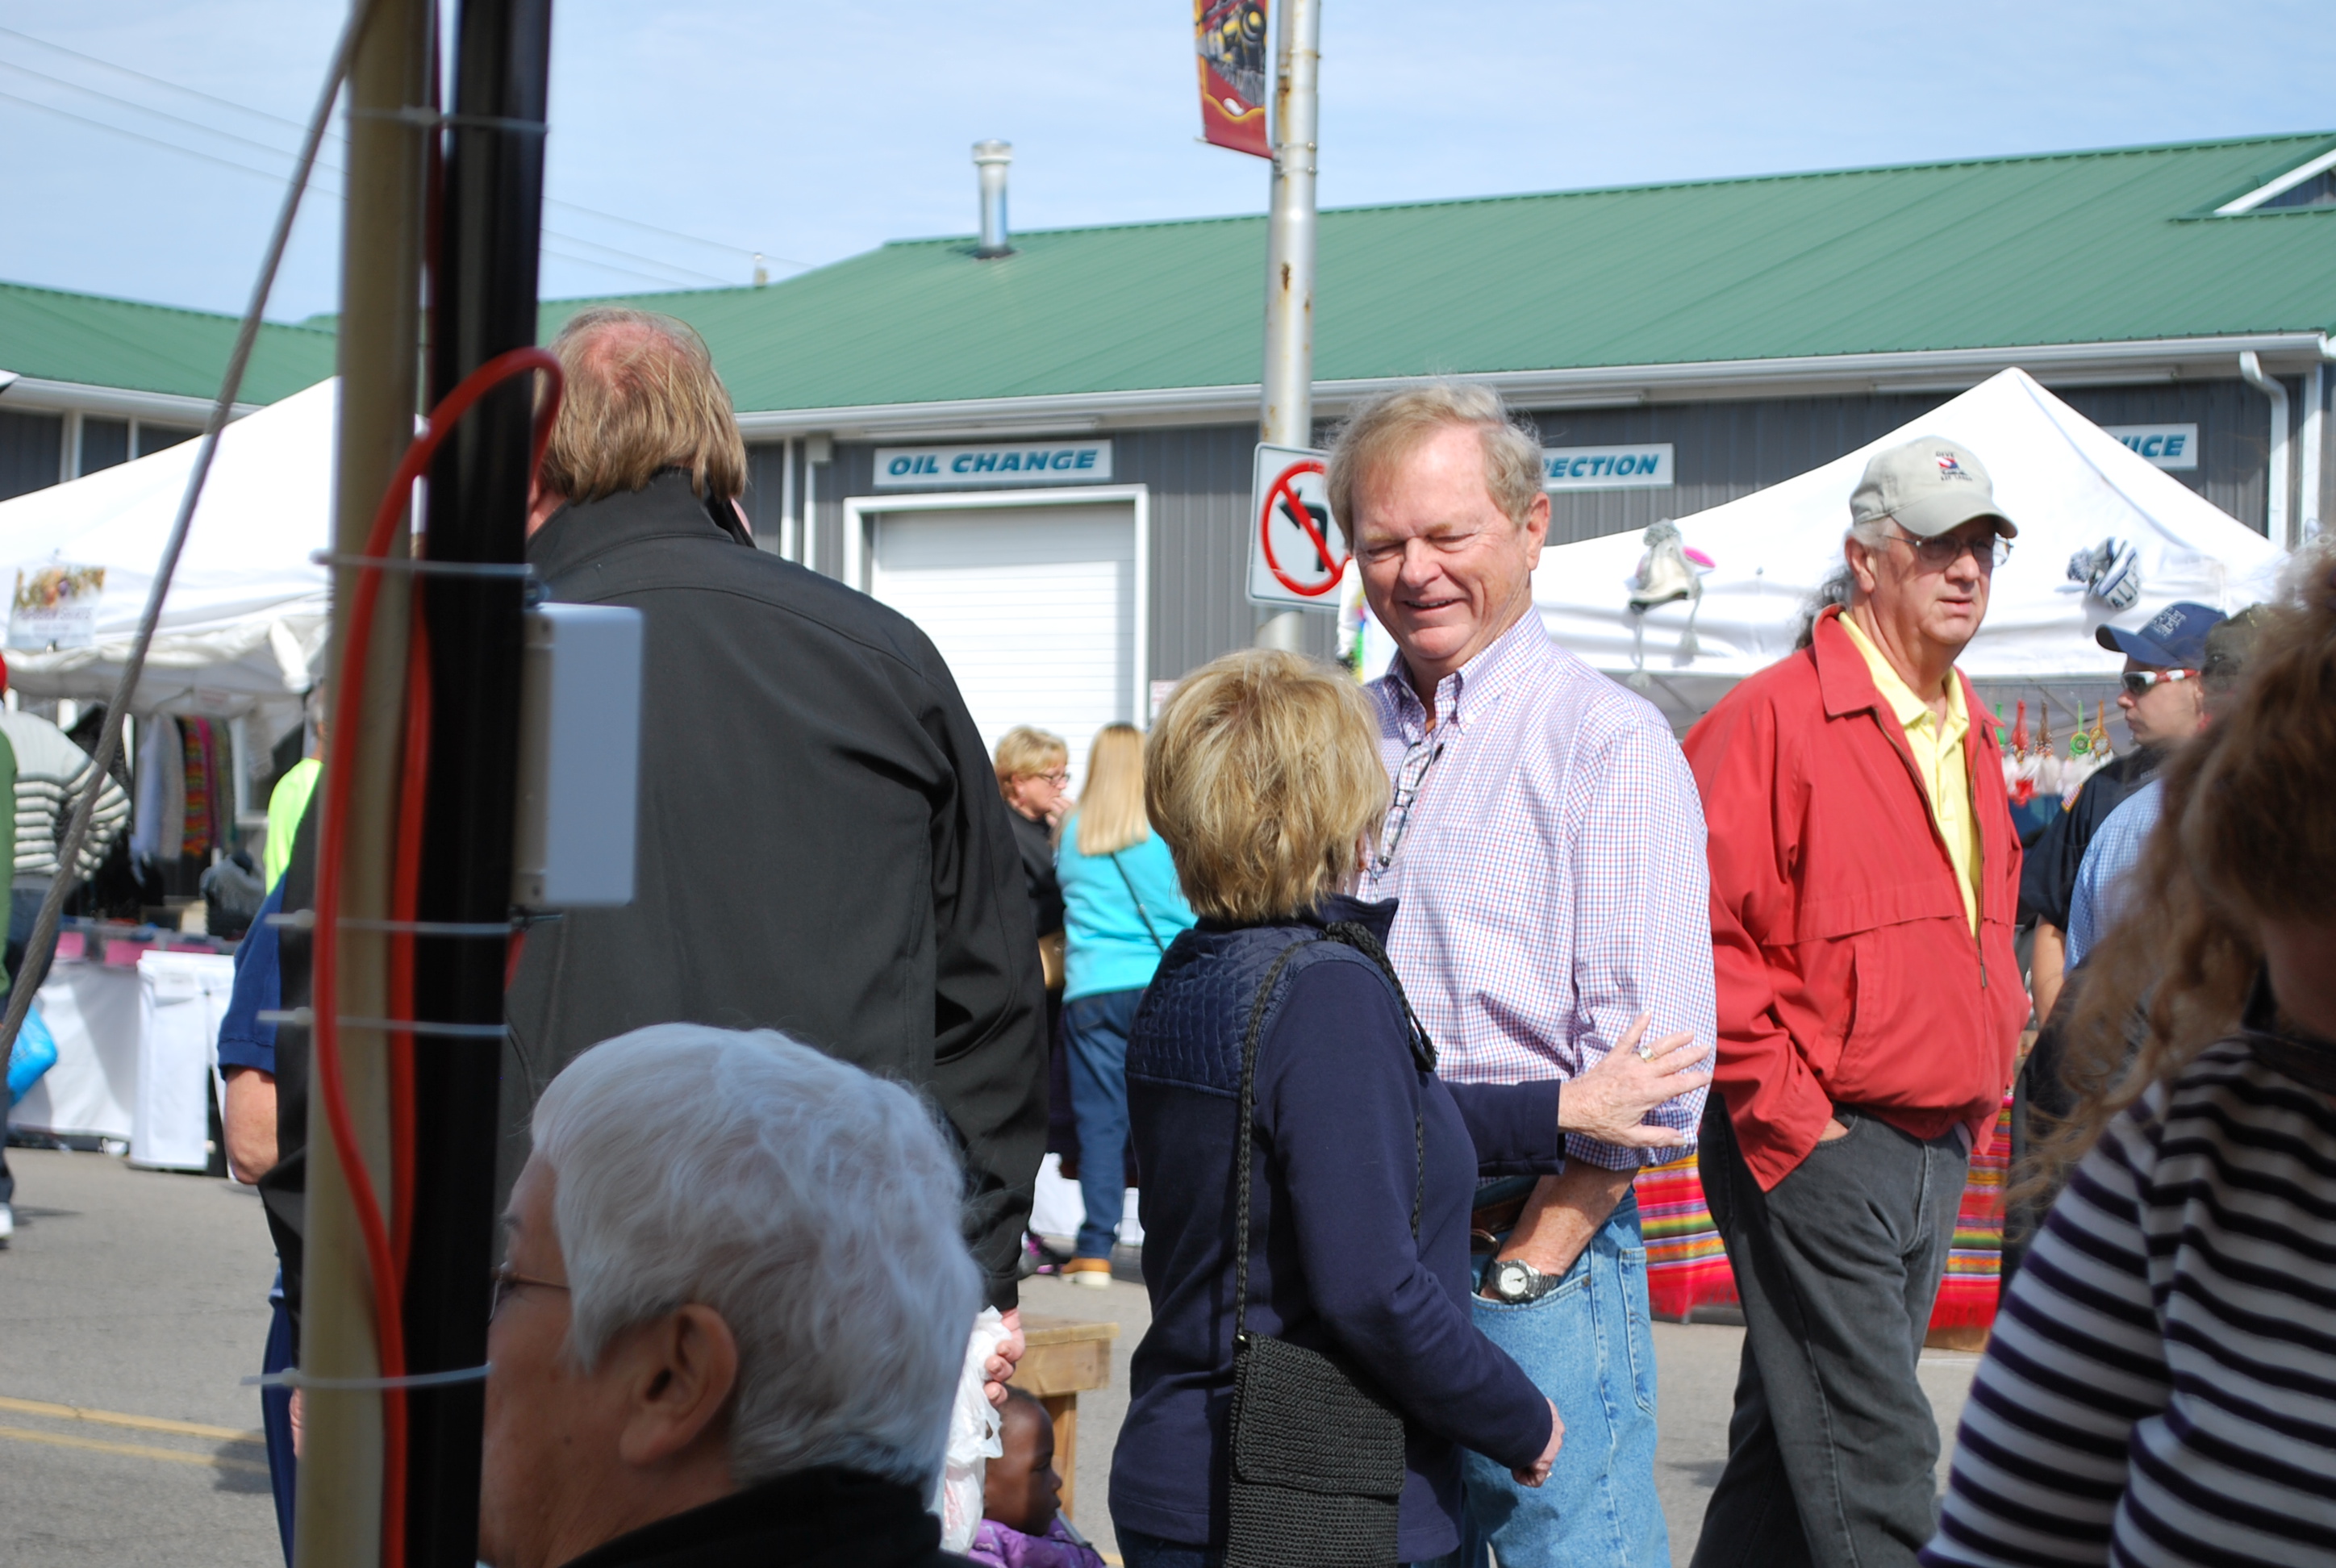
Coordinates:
821 846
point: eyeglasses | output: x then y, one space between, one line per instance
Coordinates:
503 1281
1060 778
1938 554
2137 682
1409 781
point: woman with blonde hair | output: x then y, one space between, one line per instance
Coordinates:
2161 1384
1120 908
1307 1176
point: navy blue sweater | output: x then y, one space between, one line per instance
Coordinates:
1332 1260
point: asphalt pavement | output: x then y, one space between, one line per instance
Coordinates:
1696 1364
137 1299
132 1301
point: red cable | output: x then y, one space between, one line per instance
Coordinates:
348 697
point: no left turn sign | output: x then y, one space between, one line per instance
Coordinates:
1297 550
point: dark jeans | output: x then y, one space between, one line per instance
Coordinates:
1141 1551
275 1414
1095 1030
1832 1449
24 911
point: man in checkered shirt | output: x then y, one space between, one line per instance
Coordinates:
1547 844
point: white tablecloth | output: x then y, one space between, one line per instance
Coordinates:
136 1055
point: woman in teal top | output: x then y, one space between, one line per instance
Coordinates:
1121 907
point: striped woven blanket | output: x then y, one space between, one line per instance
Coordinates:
1686 1266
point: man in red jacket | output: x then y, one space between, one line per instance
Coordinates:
1865 877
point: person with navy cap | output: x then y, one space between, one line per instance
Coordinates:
2163 706
2173 669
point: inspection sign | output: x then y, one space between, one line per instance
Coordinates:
1297 550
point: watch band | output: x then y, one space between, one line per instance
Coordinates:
1537 1284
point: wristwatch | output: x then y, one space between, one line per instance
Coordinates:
1514 1281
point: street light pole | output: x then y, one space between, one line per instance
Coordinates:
1287 416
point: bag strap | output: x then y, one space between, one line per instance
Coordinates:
1141 912
1347 933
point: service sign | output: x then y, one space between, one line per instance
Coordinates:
1297 550
2165 445
1004 463
1606 467
55 605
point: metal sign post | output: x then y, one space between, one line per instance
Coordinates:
1287 416
1297 550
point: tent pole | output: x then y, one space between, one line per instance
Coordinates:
338 1515
485 304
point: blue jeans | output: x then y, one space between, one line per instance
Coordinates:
1588 1346
1094 1030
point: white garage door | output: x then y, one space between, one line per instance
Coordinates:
1034 608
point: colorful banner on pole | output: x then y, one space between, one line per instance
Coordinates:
1229 37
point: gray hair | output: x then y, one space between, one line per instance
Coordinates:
815 1208
1385 429
1840 585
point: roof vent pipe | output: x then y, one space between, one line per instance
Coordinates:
989 161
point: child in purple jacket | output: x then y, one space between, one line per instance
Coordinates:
1021 1524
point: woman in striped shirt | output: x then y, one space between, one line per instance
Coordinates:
2161 1385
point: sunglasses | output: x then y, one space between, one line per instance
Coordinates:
1989 552
1410 779
2137 682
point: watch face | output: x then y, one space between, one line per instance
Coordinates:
1511 1278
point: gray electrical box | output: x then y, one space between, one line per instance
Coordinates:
580 757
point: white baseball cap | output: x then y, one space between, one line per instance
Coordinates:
1931 485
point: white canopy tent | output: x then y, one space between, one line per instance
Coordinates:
2066 482
246 615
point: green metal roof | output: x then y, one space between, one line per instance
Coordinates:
53 336
2070 248
2074 248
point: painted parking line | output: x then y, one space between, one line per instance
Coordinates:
117 1418
134 1450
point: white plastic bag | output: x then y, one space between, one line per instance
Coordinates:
973 1437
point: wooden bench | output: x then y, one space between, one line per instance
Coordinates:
1061 1358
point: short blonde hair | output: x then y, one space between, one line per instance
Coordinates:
641 397
1264 778
1391 426
1110 817
1025 752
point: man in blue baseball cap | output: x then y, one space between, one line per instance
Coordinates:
2162 707
2180 668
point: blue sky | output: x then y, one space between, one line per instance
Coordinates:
810 133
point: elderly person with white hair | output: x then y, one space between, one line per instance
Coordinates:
1865 877
733 1315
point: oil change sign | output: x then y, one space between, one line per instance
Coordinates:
1606 467
1000 463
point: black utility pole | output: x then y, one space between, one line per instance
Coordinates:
485 304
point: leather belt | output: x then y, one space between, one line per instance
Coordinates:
1486 1225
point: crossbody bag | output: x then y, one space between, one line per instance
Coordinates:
1317 1472
1137 900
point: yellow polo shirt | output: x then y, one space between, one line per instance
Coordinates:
1937 759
